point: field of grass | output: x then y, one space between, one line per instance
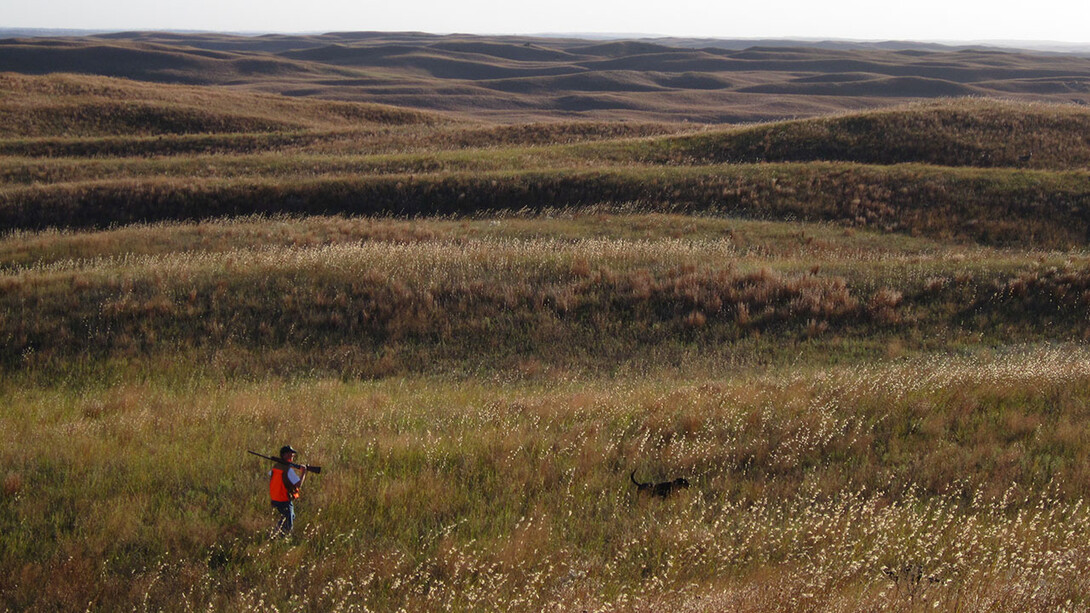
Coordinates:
862 339
998 173
947 482
365 297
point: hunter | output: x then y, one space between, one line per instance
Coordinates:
284 484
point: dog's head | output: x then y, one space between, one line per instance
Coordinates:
681 482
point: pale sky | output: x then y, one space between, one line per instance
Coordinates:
931 20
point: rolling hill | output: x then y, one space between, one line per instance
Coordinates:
513 79
861 335
88 106
1002 173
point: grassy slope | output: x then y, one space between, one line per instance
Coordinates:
953 133
869 418
78 105
1001 207
812 488
621 307
1033 194
969 132
375 298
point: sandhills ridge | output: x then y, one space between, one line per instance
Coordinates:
515 79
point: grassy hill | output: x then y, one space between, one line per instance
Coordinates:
81 106
861 337
979 133
996 172
518 79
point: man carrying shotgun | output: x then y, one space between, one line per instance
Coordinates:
284 484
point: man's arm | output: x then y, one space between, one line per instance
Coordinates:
292 481
289 484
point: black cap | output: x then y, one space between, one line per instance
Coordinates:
286 449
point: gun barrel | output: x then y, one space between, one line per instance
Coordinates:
312 469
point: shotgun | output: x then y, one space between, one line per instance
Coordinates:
310 469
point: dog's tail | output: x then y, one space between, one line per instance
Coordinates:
633 477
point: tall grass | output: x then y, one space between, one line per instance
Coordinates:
991 206
430 304
939 482
901 170
876 379
965 132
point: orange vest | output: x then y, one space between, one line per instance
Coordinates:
278 492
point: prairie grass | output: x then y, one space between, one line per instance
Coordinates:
940 483
962 133
950 132
768 241
1000 207
381 139
999 173
82 105
381 297
862 339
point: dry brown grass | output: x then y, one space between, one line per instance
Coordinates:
313 168
861 426
937 483
81 105
375 298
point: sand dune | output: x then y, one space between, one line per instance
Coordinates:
526 52
144 62
345 54
901 87
599 81
70 105
1046 85
124 61
622 49
443 64
510 78
837 77
593 102
670 61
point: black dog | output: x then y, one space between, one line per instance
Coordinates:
662 490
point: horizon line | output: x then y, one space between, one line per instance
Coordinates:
47 31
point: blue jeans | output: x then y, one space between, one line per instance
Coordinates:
287 516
